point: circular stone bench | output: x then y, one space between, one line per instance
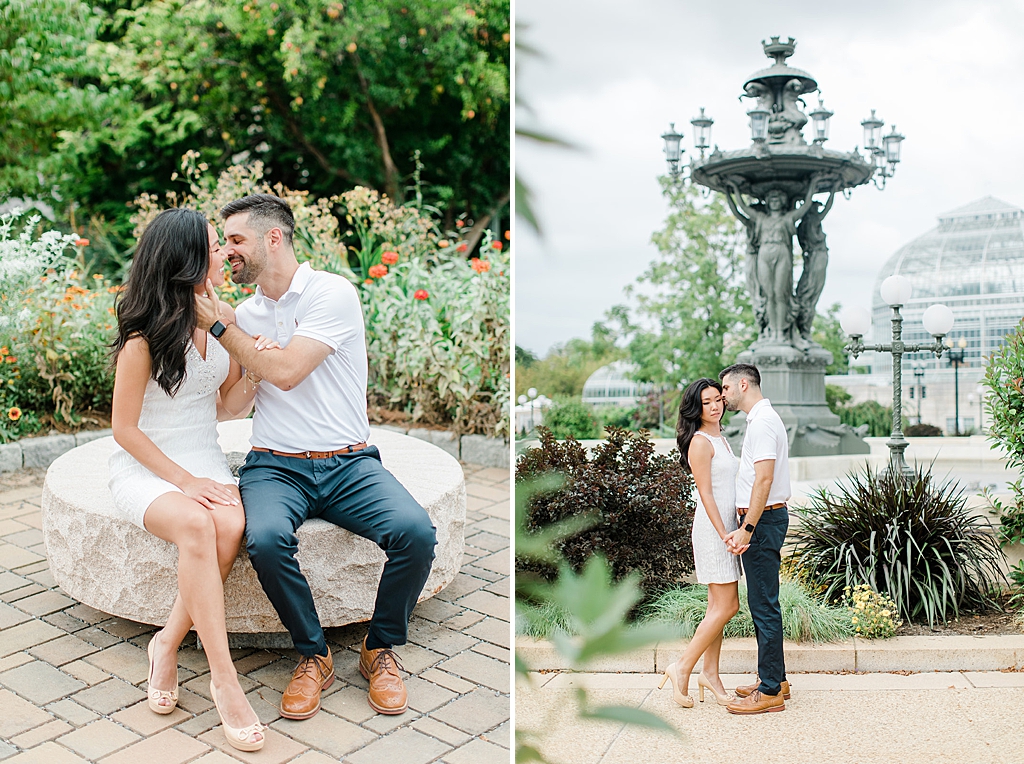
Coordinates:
118 568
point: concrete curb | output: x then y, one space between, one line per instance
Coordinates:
41 452
1004 652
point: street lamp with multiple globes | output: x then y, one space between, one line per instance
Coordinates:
956 360
937 320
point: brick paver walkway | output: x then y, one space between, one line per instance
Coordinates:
72 679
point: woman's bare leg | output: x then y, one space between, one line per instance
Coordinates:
188 525
708 632
723 598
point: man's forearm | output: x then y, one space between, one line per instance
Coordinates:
266 364
758 499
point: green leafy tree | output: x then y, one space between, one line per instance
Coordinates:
565 369
827 332
693 315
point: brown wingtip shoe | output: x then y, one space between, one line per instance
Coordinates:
301 698
744 690
387 690
757 703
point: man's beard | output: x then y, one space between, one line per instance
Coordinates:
251 268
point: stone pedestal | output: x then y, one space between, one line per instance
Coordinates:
794 381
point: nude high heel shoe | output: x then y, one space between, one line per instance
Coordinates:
240 738
722 700
685 701
155 695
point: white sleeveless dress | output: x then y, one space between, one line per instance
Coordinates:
184 427
714 563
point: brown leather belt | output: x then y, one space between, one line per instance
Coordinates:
314 454
743 510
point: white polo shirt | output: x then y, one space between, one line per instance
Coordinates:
327 410
765 438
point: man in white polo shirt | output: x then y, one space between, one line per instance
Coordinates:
762 491
309 454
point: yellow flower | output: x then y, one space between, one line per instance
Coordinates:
853 620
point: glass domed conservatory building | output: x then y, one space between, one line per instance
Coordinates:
973 261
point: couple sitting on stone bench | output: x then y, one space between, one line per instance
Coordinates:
184 361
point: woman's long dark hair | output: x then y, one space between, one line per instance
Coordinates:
158 301
690 409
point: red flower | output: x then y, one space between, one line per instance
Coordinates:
14 413
368 281
508 235
480 266
460 223
421 294
496 245
378 271
389 258
11 359
78 243
463 247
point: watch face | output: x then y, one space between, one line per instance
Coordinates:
748 528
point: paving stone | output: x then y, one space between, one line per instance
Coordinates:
14 660
428 725
266 704
314 757
72 712
26 635
349 703
502 587
125 629
495 525
13 557
326 732
167 747
35 567
502 735
89 615
44 578
278 674
197 725
439 639
98 739
500 511
478 752
276 749
487 575
256 660
492 630
85 672
488 541
436 610
453 683
193 703
12 616
145 722
6 750
425 696
488 604
18 495
475 713
475 504
94 635
406 745
193 659
41 734
40 682
47 753
19 594
480 669
122 660
493 651
24 538
10 581
44 603
109 696
215 757
499 562
464 620
382 724
63 650
64 622
17 715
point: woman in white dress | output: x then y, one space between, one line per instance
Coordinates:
707 456
168 475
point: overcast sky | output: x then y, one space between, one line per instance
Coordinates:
614 74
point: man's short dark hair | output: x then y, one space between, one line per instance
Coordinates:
266 211
745 371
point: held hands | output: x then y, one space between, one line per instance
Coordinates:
208 492
738 541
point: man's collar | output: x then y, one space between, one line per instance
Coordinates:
298 283
761 404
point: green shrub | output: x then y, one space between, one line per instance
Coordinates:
617 416
803 617
905 537
877 417
571 419
641 503
922 431
872 615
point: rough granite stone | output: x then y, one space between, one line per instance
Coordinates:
488 452
41 452
118 568
87 436
10 457
440 438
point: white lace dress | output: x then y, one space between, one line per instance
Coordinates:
715 564
184 427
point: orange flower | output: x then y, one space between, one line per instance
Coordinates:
14 413
11 359
368 281
496 245
110 311
508 235
460 223
463 247
421 294
81 243
443 243
389 258
480 266
378 271
3 350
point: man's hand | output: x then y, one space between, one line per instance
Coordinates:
208 308
738 541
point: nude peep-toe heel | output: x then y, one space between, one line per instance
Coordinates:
240 738
155 695
703 683
685 701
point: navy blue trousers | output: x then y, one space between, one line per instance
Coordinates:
355 492
761 564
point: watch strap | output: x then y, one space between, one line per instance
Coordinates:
218 329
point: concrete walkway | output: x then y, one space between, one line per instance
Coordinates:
957 717
72 679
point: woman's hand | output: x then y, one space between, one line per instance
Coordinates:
265 343
208 492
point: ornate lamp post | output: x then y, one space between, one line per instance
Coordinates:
956 360
769 186
938 320
919 378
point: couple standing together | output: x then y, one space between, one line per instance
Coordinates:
741 513
296 350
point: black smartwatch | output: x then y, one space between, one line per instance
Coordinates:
748 527
218 329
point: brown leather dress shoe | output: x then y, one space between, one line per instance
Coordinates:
744 690
301 698
757 703
387 690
